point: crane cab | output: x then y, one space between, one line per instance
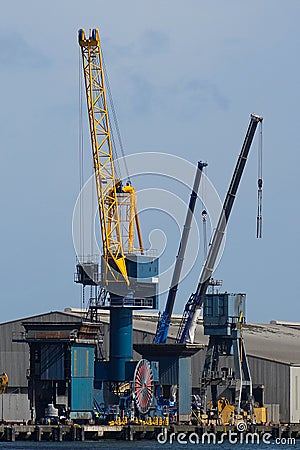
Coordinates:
142 289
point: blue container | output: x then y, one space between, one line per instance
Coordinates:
82 378
82 394
82 361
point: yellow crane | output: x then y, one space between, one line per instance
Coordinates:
129 275
117 204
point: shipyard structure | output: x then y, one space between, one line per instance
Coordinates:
47 363
116 366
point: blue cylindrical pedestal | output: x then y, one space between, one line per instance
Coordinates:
120 347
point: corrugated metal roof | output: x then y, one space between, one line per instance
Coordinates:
269 341
55 316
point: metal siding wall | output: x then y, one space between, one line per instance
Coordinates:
15 407
52 362
185 388
105 345
295 394
276 379
14 356
197 367
82 394
168 370
141 337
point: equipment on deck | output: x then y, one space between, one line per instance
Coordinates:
223 316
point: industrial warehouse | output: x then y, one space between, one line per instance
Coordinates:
117 368
272 353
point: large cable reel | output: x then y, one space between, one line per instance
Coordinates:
143 386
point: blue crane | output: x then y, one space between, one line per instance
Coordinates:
186 331
164 320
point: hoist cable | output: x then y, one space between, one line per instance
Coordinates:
80 156
259 186
114 149
204 216
116 162
204 213
260 155
83 298
92 231
115 119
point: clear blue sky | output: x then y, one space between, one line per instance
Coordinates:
185 76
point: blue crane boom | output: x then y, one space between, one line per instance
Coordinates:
164 320
186 331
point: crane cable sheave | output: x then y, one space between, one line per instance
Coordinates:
106 181
256 117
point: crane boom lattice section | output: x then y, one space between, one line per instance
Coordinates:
107 184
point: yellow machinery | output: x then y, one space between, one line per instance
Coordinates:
3 383
226 413
117 204
260 415
225 410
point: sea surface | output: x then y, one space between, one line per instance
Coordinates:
143 444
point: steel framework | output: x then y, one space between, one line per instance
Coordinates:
106 183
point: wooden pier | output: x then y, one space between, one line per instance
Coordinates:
131 432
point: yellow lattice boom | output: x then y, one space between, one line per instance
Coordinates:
116 226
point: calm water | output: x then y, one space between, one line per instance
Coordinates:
123 445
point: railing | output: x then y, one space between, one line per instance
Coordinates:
130 302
